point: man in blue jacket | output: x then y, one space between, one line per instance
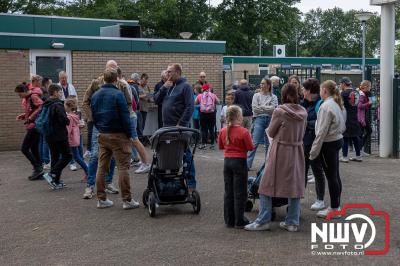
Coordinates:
111 117
176 98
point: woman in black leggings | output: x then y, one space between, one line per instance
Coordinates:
329 128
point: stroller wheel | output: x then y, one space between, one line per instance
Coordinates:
249 206
196 202
145 197
152 204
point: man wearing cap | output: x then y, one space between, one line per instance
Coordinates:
350 98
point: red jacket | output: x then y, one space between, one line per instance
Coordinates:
32 104
239 142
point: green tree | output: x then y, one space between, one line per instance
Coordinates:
29 6
240 22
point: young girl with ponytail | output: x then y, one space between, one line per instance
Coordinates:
329 127
236 141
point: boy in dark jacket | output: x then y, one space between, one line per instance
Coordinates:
57 138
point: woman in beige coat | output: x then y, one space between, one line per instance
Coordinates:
284 173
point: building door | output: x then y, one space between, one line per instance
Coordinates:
48 63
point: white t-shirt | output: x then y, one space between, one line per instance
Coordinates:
71 91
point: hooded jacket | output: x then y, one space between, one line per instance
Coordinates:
244 98
74 137
58 120
284 174
177 103
32 104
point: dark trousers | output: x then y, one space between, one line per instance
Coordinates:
330 162
196 124
139 129
144 117
60 157
30 147
356 143
89 135
366 134
207 124
317 169
235 179
159 116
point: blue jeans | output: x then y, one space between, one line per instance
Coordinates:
264 215
356 143
80 149
259 137
76 155
94 160
44 150
187 158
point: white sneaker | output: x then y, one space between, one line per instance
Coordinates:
73 167
101 204
310 179
289 227
344 159
89 193
86 155
110 188
47 166
127 205
144 168
325 212
137 164
318 205
257 227
356 159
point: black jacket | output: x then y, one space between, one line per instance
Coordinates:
309 134
244 98
58 120
177 103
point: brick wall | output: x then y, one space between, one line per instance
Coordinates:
14 68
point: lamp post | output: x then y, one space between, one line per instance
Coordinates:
363 17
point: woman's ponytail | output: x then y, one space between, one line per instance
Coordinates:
333 91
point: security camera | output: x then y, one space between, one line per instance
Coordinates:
57 45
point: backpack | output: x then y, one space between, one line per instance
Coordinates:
354 98
42 122
207 104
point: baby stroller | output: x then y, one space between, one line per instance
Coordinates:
167 179
252 193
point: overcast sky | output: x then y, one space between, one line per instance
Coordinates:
306 5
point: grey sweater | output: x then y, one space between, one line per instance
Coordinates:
330 125
264 104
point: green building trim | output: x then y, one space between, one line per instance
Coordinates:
298 60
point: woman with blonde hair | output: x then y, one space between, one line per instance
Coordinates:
329 127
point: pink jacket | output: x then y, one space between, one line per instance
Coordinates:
74 135
32 104
362 108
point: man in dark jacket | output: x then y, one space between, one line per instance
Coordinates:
176 97
58 137
111 117
244 98
156 89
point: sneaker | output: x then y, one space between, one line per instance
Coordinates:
289 227
318 205
257 227
144 168
73 167
89 193
356 159
36 174
58 186
49 179
101 204
344 160
134 161
137 164
325 212
47 166
110 188
126 205
310 179
87 155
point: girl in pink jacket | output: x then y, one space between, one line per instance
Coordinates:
74 133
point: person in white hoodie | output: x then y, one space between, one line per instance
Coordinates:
263 105
329 128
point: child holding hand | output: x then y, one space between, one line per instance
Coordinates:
236 141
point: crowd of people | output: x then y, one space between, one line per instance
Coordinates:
300 126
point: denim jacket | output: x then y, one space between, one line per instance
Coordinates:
110 111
